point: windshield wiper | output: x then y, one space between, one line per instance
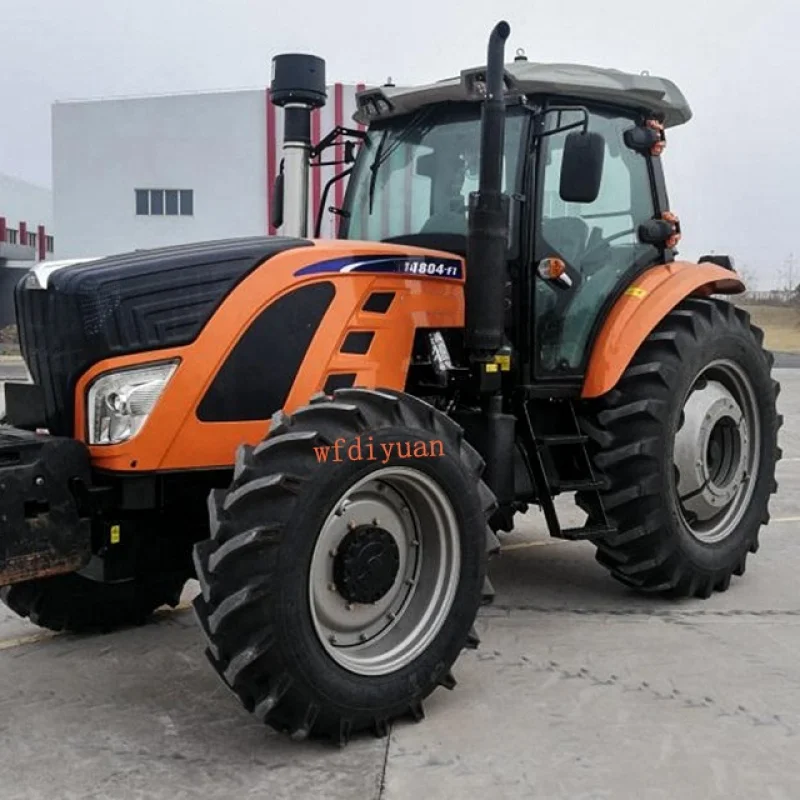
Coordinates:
417 124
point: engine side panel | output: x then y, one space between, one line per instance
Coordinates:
364 337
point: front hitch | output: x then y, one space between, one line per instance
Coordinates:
43 530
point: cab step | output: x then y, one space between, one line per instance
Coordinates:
584 533
563 439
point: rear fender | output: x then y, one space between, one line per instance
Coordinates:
641 308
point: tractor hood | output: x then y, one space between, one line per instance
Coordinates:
72 315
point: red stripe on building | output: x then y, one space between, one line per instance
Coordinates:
271 160
23 233
2 229
316 172
40 243
338 119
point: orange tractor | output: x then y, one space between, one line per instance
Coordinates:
522 329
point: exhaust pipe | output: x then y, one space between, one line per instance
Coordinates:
298 86
488 216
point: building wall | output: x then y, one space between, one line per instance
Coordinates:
26 202
104 151
222 146
31 205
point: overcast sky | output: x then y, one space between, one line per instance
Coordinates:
733 171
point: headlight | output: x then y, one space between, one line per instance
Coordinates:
119 403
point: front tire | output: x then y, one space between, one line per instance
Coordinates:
687 446
337 596
78 604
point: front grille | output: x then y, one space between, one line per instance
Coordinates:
130 303
50 333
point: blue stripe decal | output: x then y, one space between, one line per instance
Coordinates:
425 266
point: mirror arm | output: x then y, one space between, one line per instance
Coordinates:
584 124
318 225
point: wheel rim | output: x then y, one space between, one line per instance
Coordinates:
384 571
716 454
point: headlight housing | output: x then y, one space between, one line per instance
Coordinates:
119 403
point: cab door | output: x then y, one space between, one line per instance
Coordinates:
597 241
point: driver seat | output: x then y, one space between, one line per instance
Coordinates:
568 236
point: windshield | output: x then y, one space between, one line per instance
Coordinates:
427 166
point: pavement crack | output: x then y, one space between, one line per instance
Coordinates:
675 615
384 767
674 695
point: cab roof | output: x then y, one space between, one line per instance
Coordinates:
637 92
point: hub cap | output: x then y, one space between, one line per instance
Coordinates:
716 452
384 571
366 564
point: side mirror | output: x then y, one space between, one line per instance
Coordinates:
276 201
582 167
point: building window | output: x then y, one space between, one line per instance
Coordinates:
187 202
171 204
48 243
160 202
142 202
156 203
12 235
31 240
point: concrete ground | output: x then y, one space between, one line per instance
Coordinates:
580 689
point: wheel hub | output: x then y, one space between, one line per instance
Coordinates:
715 453
366 564
384 571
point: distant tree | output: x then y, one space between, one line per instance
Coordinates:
788 273
749 277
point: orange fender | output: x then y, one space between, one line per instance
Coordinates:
643 305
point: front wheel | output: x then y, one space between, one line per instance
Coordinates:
77 604
346 564
687 445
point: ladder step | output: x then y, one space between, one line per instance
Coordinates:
587 532
555 439
578 485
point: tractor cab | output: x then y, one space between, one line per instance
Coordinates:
583 221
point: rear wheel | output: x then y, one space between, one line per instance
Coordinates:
337 596
687 444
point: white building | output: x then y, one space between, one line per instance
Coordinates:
151 171
26 235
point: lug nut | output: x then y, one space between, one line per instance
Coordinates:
332 639
351 526
376 522
362 637
332 587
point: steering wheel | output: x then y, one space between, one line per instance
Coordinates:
602 244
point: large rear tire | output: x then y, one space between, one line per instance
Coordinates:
687 445
337 596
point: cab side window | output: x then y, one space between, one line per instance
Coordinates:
598 240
